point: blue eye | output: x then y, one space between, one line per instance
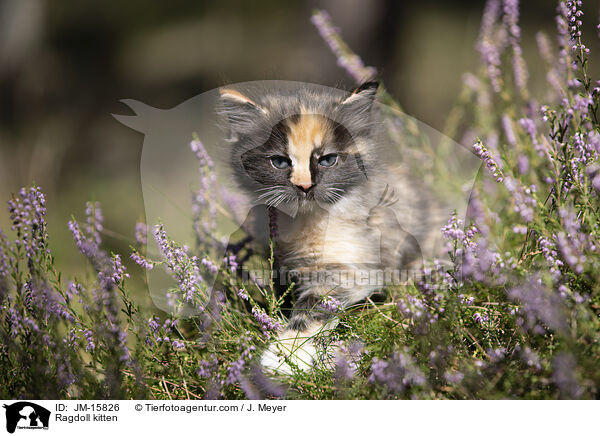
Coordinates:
280 162
328 160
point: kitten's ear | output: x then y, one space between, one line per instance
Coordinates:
363 95
355 109
238 107
241 112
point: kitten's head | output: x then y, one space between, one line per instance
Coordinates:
301 146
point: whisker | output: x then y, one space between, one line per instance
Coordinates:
267 194
270 187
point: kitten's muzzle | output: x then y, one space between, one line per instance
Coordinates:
305 187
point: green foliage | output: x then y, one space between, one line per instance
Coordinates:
515 316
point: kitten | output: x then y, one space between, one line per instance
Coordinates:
314 158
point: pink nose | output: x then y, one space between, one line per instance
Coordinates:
305 187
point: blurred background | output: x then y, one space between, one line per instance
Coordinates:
64 66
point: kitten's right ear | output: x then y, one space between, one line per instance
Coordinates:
365 93
241 111
235 100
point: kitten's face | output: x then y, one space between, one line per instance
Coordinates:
300 152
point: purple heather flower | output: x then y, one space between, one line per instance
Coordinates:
349 61
198 148
508 130
454 377
178 345
208 367
529 125
94 220
565 376
549 251
467 301
539 304
490 45
142 260
523 164
266 385
521 230
74 289
496 354
438 357
455 232
573 20
204 200
471 81
524 202
210 265
14 319
4 255
64 373
593 172
492 165
480 319
251 391
242 294
141 233
343 369
572 242
398 373
412 308
231 262
89 338
89 241
28 216
267 323
115 272
71 339
511 19
159 332
180 264
582 103
234 371
423 311
330 304
347 358
87 246
529 357
39 295
544 47
234 202
479 261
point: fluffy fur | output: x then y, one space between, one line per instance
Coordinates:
342 212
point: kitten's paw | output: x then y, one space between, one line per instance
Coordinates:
292 351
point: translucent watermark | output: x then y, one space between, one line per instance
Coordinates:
195 185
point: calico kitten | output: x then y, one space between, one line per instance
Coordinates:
314 158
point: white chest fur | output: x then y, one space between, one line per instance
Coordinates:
336 236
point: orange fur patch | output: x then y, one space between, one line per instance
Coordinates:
305 135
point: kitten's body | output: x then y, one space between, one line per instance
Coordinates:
346 219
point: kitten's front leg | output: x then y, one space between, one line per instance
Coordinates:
295 348
292 350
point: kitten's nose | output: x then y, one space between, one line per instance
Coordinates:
305 187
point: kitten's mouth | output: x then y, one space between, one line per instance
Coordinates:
306 197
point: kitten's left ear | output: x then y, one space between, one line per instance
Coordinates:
364 94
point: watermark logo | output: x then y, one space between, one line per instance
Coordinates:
25 415
243 186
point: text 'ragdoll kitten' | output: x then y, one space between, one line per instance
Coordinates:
312 157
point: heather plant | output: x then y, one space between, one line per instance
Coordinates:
512 311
